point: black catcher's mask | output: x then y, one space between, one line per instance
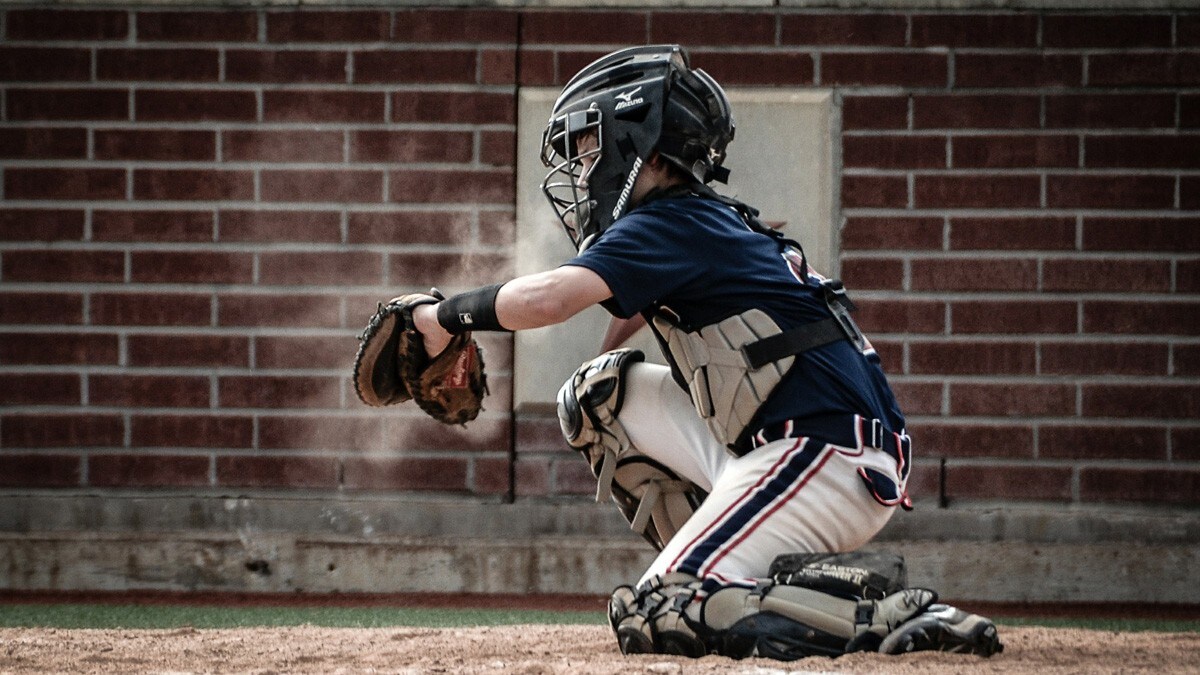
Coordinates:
633 102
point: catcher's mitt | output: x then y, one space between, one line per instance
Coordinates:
392 366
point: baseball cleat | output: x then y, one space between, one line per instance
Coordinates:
944 628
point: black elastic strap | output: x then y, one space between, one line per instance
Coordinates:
473 310
791 342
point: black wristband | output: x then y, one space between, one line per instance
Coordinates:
473 310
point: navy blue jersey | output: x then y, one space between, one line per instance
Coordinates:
699 259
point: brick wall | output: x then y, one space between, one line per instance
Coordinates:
201 207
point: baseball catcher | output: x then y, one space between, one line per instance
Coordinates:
771 448
392 365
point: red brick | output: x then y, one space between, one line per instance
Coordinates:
285 67
324 106
327 26
1141 234
56 24
1008 317
895 68
536 67
411 146
498 228
1158 486
254 145
60 266
162 65
1185 444
156 105
320 432
1112 30
277 472
497 66
40 225
892 233
937 111
1015 151
873 273
192 184
40 471
39 389
159 391
1189 193
64 184
349 268
58 349
62 431
972 358
1118 275
904 316
471 269
1149 151
1185 360
1110 191
1008 482
1105 111
43 143
189 350
874 191
966 440
410 227
1140 317
964 274
455 186
1012 234
974 30
1144 69
322 186
924 481
421 433
874 112
303 352
455 25
1101 442
894 152
41 308
150 309
1018 70
280 226
1012 400
754 68
918 398
492 477
570 62
1189 111
977 191
67 104
45 64
843 29
454 107
891 354
1188 30
291 310
712 28
420 66
407 473
579 27
191 431
572 478
225 25
498 148
278 391
1153 401
1104 359
155 144
1187 276
152 226
157 471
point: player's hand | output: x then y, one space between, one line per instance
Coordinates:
435 337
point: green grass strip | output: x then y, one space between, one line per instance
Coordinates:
1108 624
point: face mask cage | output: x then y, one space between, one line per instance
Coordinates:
566 184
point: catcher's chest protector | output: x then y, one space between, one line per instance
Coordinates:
726 391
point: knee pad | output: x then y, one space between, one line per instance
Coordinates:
654 500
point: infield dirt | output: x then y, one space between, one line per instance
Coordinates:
542 650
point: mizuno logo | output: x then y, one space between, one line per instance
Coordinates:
628 100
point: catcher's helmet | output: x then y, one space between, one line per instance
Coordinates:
635 101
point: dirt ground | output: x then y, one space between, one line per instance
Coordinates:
542 650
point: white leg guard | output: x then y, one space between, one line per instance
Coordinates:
652 497
680 615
